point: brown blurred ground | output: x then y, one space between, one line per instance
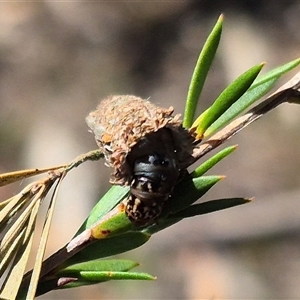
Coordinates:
57 60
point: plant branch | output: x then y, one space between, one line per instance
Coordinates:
289 92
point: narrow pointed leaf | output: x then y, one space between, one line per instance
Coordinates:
111 246
288 93
190 190
195 210
84 278
258 89
200 72
239 106
186 193
208 164
208 207
275 73
88 278
108 275
99 265
114 196
230 95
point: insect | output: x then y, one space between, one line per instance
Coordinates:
155 172
146 146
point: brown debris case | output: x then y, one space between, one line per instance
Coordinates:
121 121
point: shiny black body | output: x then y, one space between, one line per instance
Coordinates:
154 176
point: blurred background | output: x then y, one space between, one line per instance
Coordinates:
59 59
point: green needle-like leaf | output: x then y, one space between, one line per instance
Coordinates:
108 275
190 190
118 265
230 95
275 73
208 164
239 106
208 207
114 196
92 272
108 247
186 192
195 210
258 89
199 76
89 277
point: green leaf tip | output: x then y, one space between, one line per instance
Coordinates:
209 207
191 189
275 73
85 278
208 164
199 76
120 265
227 98
99 270
260 87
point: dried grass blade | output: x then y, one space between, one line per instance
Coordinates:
14 279
42 246
8 256
8 178
18 226
13 205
